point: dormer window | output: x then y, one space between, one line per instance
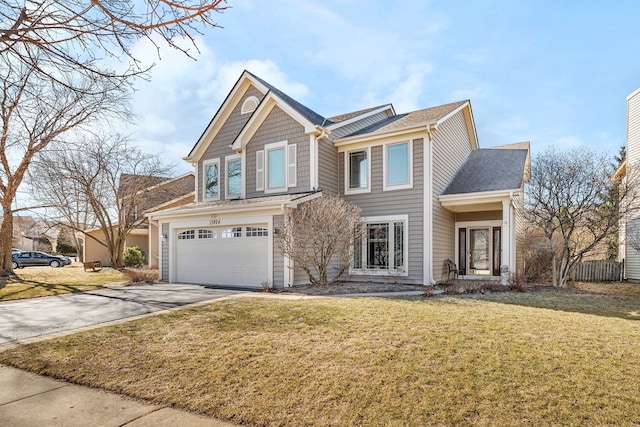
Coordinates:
249 105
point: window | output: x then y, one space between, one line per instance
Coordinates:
383 247
256 232
280 167
205 234
230 233
357 171
249 105
398 164
187 235
234 177
212 180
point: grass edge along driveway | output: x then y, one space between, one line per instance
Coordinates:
498 360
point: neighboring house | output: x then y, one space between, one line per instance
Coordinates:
27 233
426 190
161 193
630 229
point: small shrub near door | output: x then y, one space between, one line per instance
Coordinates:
133 257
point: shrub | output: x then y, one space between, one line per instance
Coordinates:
133 257
141 275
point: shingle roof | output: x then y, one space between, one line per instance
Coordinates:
489 170
306 112
414 118
347 116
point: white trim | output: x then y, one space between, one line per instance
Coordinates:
349 191
468 225
390 219
206 163
313 162
385 167
292 169
260 170
245 109
414 132
227 159
281 145
197 197
427 253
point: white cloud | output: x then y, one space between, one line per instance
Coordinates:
406 95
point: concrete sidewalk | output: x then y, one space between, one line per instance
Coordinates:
32 400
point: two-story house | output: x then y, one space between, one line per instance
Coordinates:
426 190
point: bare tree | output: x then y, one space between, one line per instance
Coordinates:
573 200
57 37
107 180
320 233
36 112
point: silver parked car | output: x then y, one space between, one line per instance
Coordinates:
37 258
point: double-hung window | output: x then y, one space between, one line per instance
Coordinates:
211 181
398 166
357 171
383 247
276 167
234 176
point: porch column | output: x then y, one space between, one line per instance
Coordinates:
505 257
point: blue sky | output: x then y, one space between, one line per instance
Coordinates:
549 72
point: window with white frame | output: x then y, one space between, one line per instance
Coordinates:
230 233
234 176
187 235
253 231
383 246
398 166
357 171
211 188
276 167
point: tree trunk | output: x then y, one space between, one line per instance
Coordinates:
6 240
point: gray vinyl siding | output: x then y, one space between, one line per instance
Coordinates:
278 257
632 257
451 146
164 253
327 167
396 202
220 146
277 127
357 125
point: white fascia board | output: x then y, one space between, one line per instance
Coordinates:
221 209
481 197
260 115
361 116
223 114
369 138
471 124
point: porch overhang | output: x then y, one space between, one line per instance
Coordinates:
477 202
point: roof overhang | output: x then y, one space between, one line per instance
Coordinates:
476 202
231 206
223 113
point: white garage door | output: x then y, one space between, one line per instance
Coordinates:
223 255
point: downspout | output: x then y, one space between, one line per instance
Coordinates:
428 210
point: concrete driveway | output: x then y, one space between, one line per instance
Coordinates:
27 319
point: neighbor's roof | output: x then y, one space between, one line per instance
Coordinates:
490 170
408 120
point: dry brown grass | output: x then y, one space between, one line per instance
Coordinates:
31 282
538 358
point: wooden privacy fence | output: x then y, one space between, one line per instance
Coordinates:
599 271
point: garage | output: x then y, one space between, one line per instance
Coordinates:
235 256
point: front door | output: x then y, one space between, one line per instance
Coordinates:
479 242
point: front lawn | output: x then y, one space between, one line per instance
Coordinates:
31 282
498 359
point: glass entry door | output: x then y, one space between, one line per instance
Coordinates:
479 251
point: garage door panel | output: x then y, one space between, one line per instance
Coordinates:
228 260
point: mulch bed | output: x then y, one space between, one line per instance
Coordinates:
363 288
